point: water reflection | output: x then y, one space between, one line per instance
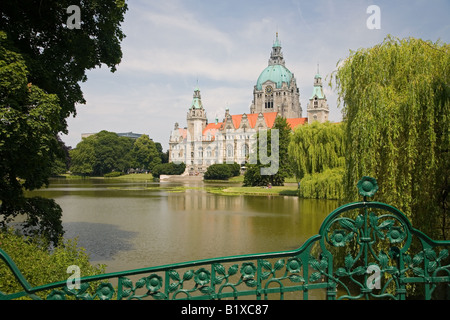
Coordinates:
129 225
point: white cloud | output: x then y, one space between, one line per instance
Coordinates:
224 45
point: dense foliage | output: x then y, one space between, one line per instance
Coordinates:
317 153
106 152
222 171
395 99
41 64
253 175
323 185
58 57
28 146
316 147
39 265
168 169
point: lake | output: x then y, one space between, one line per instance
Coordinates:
137 224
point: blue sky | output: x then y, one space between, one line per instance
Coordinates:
223 46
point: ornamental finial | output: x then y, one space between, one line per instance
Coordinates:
367 187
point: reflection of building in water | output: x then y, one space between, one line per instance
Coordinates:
275 94
236 223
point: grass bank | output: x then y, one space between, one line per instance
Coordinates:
134 176
256 191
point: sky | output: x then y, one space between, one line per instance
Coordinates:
173 46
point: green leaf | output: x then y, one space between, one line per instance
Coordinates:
220 269
173 274
348 261
159 296
266 264
188 275
173 287
443 254
233 269
265 275
347 224
386 224
279 264
359 271
127 283
140 283
206 290
251 283
296 278
341 272
315 276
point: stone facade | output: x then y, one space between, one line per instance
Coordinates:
202 144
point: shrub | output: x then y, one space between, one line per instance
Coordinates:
113 174
168 169
38 264
323 185
218 172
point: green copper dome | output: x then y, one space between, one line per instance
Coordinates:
275 73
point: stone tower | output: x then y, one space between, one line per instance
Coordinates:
318 109
276 89
196 118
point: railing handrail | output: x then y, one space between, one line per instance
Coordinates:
303 271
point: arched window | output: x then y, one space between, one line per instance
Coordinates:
230 151
245 150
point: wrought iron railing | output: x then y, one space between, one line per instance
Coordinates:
364 250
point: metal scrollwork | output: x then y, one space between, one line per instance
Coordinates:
364 250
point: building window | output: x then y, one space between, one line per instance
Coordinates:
230 150
269 101
245 150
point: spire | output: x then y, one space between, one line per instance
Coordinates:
276 57
197 99
277 42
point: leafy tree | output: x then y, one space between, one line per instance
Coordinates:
163 155
317 153
253 175
47 265
83 157
235 169
57 57
168 169
323 185
102 153
395 99
145 154
316 147
28 144
218 172
42 63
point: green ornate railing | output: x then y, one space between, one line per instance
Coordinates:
364 250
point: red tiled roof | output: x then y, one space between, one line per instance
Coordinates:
213 127
270 118
295 122
183 133
236 120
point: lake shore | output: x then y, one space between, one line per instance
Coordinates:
289 189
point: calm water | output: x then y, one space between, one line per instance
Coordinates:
128 225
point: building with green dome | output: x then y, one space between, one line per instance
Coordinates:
230 139
276 88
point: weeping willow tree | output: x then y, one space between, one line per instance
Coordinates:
316 152
395 100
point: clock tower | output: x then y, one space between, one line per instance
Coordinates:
276 89
318 109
